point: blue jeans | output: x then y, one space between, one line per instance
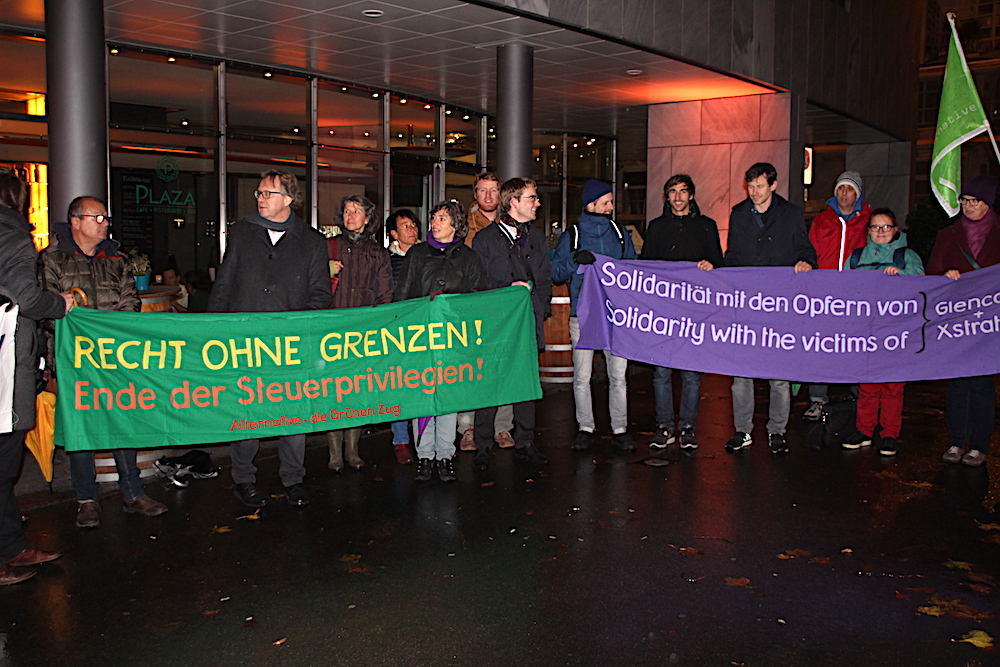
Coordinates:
83 472
818 392
663 391
400 436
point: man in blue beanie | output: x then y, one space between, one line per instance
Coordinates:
596 232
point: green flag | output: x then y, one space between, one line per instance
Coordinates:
960 118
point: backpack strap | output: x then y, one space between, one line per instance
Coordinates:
855 257
899 258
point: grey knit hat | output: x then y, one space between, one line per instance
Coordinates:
853 179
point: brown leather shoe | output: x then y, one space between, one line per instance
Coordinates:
9 575
504 439
32 555
146 506
88 514
468 443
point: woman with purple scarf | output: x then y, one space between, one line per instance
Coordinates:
972 243
442 265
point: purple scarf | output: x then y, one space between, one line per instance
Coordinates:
434 243
976 231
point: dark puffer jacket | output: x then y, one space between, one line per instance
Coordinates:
19 284
427 270
366 279
106 278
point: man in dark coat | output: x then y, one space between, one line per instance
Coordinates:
972 243
681 234
765 230
515 252
274 262
19 286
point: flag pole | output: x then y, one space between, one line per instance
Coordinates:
961 51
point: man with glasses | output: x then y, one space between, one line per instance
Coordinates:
595 231
82 256
274 262
515 252
972 243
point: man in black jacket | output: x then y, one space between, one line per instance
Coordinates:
274 262
681 234
765 230
515 252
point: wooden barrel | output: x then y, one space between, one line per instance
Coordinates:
555 364
104 462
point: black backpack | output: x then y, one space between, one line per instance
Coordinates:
898 260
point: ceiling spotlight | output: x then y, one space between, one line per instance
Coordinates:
400 135
113 51
372 13
447 112
402 101
633 72
465 117
428 106
367 134
343 88
171 59
295 130
185 121
375 95
552 147
267 75
332 132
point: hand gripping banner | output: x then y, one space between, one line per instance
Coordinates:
772 323
161 379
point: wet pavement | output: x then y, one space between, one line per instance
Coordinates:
822 557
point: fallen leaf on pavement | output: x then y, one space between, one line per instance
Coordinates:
359 569
956 608
737 581
350 558
209 612
993 539
989 526
279 642
980 577
847 551
977 638
957 565
168 627
902 596
931 611
820 560
221 529
979 588
251 517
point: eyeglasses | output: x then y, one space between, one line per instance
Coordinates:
266 194
971 201
881 228
97 218
531 197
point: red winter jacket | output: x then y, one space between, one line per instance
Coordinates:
834 240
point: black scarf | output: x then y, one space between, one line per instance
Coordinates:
257 219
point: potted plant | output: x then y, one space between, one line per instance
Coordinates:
140 269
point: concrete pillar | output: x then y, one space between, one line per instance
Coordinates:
515 94
77 102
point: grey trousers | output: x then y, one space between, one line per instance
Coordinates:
291 454
743 404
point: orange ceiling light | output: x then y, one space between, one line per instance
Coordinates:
639 91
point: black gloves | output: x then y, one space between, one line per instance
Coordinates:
583 257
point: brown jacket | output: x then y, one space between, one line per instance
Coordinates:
477 222
366 279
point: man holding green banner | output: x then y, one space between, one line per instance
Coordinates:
960 118
275 262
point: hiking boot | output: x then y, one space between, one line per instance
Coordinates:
583 441
88 514
425 468
468 443
446 470
975 457
856 440
296 495
623 441
888 447
504 439
953 455
777 443
530 456
146 506
250 494
814 412
688 439
663 438
739 441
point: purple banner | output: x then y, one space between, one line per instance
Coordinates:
772 323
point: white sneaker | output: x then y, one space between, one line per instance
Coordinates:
953 455
814 412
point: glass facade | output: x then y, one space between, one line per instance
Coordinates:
189 137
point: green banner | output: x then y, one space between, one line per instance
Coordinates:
162 379
960 118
